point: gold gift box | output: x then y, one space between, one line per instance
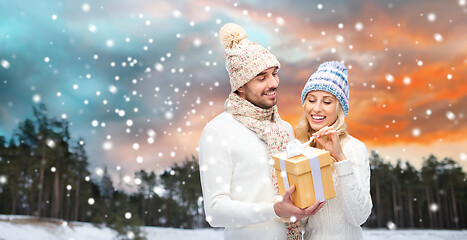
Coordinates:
299 174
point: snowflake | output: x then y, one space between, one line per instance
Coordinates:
197 42
389 78
450 115
176 13
434 207
50 143
431 17
3 179
463 156
407 80
416 132
85 7
5 64
92 28
438 37
36 98
99 172
391 225
358 26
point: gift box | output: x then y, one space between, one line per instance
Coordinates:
311 174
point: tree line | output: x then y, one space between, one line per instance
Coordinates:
44 173
403 197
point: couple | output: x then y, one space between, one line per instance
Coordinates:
239 184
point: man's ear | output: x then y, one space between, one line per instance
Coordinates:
240 91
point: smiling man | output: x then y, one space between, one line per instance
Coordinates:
239 185
261 90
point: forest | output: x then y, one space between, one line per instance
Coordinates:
44 173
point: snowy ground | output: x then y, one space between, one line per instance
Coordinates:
24 227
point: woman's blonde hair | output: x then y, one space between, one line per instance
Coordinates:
303 131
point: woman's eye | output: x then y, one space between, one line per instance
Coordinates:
327 103
309 100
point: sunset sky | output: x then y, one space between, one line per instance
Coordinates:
138 79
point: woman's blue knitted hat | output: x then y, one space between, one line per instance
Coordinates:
332 78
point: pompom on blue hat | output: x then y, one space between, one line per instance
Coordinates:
332 78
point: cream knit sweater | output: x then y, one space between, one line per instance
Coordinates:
341 217
236 181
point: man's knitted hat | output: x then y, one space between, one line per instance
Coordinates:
332 78
243 59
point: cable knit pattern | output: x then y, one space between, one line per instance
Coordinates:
341 217
236 180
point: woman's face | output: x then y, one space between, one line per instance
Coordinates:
320 109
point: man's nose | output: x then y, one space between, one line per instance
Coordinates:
273 82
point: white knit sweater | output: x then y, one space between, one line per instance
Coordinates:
341 217
237 182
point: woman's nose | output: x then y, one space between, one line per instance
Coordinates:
316 108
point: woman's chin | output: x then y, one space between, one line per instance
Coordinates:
316 126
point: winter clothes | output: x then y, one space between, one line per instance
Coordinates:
341 217
236 180
243 59
332 78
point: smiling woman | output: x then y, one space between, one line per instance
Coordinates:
323 109
325 100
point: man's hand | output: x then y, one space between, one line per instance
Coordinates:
285 208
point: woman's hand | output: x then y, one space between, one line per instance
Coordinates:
332 143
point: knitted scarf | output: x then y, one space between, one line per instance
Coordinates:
267 125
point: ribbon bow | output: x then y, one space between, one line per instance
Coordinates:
295 147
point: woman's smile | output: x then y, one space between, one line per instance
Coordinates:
317 118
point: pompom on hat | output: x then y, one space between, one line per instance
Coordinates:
332 78
243 59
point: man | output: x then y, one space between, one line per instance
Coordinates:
239 185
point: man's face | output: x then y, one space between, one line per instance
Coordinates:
261 90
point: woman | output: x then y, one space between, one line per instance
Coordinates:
325 100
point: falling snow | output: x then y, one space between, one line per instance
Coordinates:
438 37
416 132
147 89
85 7
391 225
431 17
434 207
3 179
389 78
463 156
358 26
5 64
450 115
